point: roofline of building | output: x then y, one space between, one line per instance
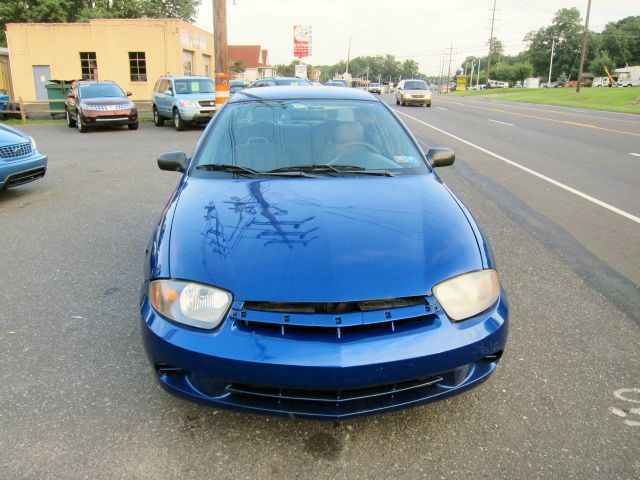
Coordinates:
107 20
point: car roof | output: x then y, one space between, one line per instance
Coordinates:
178 77
94 82
301 93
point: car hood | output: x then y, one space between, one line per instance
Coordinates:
106 101
197 96
320 240
11 136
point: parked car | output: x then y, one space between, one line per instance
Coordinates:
92 103
312 263
413 92
375 88
20 160
189 100
335 83
237 85
280 81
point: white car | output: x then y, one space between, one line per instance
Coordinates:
413 92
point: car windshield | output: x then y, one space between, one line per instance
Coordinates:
374 85
187 86
415 85
238 83
101 90
351 135
292 81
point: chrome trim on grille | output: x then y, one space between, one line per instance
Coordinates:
16 151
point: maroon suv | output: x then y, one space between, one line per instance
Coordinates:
92 103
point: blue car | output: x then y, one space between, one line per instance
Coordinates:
20 160
312 263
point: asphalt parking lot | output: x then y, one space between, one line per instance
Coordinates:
78 398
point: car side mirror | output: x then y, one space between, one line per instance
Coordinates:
172 161
168 91
441 157
129 94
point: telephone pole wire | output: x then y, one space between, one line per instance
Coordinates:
583 53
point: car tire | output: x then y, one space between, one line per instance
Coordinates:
178 122
429 105
397 101
82 128
70 121
158 120
133 126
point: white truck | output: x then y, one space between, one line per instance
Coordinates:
531 82
628 76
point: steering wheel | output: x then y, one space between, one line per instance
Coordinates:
368 146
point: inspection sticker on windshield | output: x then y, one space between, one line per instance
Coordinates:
405 159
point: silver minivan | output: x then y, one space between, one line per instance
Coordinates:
413 92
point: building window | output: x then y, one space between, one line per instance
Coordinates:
187 62
89 65
206 65
137 67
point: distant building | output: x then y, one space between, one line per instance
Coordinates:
5 72
132 52
255 60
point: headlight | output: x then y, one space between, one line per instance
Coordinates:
188 104
190 303
34 146
467 295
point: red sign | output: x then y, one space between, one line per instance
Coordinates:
301 41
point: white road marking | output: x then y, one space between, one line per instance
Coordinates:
620 395
635 154
498 121
532 172
442 108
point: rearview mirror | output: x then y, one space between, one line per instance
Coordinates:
172 161
129 94
441 157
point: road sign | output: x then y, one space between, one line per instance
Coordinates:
301 41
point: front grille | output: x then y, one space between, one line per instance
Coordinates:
344 320
339 332
109 108
334 397
207 103
16 151
417 96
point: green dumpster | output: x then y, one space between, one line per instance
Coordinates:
57 90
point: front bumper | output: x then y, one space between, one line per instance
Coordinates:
250 365
197 115
116 117
22 170
416 101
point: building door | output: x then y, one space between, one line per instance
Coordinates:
41 75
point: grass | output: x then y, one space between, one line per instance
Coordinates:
625 100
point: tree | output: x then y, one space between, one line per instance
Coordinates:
238 67
566 29
409 69
621 41
56 11
598 64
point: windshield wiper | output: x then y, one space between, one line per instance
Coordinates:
337 168
246 171
226 167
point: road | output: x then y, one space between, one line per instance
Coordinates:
78 397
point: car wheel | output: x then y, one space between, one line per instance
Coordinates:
177 121
133 126
158 120
397 101
429 104
81 127
70 122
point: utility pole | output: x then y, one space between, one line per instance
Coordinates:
493 19
441 74
221 51
478 78
473 66
348 57
449 72
553 44
583 53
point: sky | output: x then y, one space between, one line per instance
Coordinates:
417 29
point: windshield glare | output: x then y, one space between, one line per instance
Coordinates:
292 81
194 86
267 135
415 85
100 90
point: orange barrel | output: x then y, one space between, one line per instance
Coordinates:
223 90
